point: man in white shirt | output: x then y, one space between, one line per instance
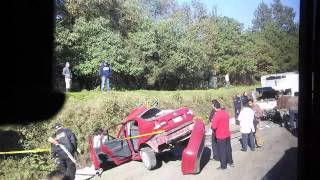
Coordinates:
246 118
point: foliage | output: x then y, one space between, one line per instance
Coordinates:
164 45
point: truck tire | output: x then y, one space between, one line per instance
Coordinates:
148 157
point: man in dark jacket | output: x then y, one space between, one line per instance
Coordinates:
220 125
105 72
68 139
237 107
244 98
214 139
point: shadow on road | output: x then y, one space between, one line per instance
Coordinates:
286 168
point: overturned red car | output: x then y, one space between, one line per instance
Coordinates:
145 133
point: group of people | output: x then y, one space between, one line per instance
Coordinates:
248 114
104 72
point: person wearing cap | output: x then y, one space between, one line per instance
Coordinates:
68 139
66 72
105 73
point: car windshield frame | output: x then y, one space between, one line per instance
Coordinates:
150 113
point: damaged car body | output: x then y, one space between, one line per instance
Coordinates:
145 133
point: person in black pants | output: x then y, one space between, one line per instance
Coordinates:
214 139
220 125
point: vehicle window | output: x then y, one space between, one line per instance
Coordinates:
275 77
150 113
268 95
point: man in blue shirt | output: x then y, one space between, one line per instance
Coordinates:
105 72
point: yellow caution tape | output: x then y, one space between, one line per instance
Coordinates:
26 151
143 135
48 150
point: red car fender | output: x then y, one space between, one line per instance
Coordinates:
191 155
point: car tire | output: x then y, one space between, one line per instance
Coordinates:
148 157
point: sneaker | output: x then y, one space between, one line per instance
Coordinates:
244 150
231 165
220 168
258 146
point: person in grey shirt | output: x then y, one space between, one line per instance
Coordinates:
66 72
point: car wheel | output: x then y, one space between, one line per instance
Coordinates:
148 158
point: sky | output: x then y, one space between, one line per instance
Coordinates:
242 10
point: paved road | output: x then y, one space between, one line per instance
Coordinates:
275 160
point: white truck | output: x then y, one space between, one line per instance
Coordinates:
273 86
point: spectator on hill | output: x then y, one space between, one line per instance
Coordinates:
220 126
237 107
67 138
66 72
214 139
244 98
246 118
105 73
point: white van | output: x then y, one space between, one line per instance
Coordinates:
285 82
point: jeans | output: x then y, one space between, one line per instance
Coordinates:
68 83
105 79
293 116
245 138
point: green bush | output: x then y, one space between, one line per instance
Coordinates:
85 111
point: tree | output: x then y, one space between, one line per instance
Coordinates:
283 16
262 17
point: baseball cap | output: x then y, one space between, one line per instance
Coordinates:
57 125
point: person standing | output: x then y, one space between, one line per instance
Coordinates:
258 114
67 138
66 72
244 98
214 144
220 125
237 107
246 118
105 72
293 112
227 80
